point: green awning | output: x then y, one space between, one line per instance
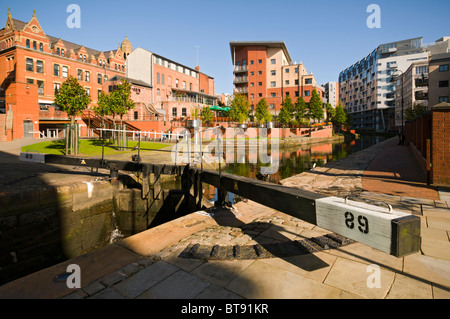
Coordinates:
219 108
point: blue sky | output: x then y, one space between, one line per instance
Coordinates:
327 36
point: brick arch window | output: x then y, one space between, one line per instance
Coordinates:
34 45
62 52
57 51
28 43
41 47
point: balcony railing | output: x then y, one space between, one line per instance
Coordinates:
240 68
240 79
241 90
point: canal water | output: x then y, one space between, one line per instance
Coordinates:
297 160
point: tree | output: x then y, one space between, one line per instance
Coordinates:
340 116
315 106
239 108
300 109
72 99
286 112
103 107
262 112
331 111
206 114
121 101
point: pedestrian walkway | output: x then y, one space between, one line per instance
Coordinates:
153 264
395 171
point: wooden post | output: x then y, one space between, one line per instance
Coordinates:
428 162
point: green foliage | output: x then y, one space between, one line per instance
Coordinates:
315 106
340 116
300 109
72 97
262 112
331 112
239 108
120 99
207 114
412 113
286 112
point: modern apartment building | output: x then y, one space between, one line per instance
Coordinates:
367 88
439 78
33 65
264 69
411 90
177 89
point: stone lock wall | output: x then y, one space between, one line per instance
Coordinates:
39 228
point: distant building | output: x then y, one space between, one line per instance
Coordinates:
331 94
177 89
367 88
439 78
264 69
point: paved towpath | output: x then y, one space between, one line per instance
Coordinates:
153 264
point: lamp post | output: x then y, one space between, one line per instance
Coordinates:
403 79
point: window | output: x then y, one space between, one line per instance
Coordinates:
296 93
308 81
30 81
105 78
296 82
273 84
252 62
99 78
286 70
183 111
158 78
273 61
40 66
41 47
286 82
443 99
57 51
273 72
190 86
259 94
307 93
273 95
260 72
80 75
259 83
259 61
28 43
296 70
62 52
88 91
252 84
176 83
162 79
272 106
87 76
56 87
252 73
98 94
65 71
30 66
174 112
84 58
34 45
56 70
421 69
443 68
40 85
443 84
184 85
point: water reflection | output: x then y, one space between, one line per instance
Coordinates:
295 161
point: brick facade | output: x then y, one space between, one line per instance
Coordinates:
441 144
33 65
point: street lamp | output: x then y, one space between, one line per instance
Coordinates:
393 80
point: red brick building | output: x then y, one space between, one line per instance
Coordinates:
264 69
33 65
